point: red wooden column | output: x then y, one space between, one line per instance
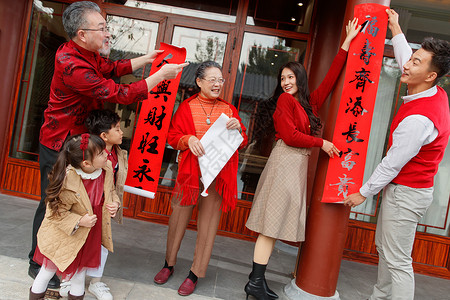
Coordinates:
326 224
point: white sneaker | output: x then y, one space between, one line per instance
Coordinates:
64 288
100 290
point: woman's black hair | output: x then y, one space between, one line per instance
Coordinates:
264 121
303 95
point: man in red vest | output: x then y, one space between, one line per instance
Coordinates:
419 134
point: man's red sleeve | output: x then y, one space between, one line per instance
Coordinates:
85 80
117 68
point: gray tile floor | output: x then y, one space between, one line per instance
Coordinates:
139 254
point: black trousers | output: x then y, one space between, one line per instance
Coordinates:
47 158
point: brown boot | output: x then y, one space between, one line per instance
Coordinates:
75 297
34 296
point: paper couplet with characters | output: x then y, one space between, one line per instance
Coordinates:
352 131
147 148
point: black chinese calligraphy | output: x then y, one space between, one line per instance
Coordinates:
366 52
153 119
352 134
165 60
143 171
369 26
152 144
361 77
161 89
347 163
343 185
143 143
355 107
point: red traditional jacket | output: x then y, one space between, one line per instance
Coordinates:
81 83
187 183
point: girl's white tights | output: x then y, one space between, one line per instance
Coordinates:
41 281
43 277
77 286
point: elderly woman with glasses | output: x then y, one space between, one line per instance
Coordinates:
191 121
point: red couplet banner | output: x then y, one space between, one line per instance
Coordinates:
352 131
147 148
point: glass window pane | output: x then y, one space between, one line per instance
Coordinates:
134 37
260 60
223 10
420 19
130 38
295 15
46 35
201 45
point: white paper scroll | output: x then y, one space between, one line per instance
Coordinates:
219 144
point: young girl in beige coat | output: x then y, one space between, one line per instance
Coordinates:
106 124
81 192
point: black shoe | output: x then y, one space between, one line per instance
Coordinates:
54 283
256 289
256 285
272 295
33 271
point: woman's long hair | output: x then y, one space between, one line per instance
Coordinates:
264 120
71 154
303 95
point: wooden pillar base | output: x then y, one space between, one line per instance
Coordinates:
293 292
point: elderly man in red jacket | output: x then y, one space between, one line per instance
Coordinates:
81 83
419 134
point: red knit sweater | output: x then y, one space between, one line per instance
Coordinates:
290 119
420 170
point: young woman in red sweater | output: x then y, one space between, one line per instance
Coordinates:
279 205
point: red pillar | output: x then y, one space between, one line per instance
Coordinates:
326 225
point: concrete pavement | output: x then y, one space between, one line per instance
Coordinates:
139 255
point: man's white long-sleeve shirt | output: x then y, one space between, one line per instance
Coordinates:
411 134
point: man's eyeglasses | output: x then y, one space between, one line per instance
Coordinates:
214 80
103 29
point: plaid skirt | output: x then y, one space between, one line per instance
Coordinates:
279 205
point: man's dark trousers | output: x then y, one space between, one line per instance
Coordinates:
47 158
